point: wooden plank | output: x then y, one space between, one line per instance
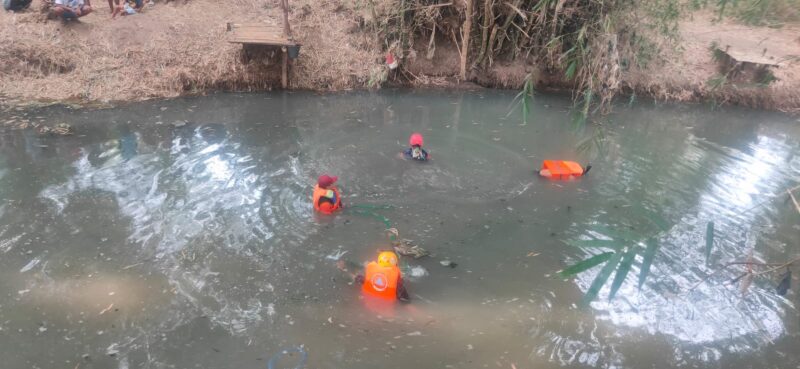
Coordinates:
260 42
271 29
247 25
258 32
750 57
263 38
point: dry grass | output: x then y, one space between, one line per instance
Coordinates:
683 75
178 48
173 49
337 53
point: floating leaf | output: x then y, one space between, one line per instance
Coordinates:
647 260
785 284
622 271
709 239
601 279
597 244
585 264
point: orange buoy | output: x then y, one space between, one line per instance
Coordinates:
562 169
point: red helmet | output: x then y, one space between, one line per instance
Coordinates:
325 180
415 139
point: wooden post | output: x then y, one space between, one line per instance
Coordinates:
467 30
287 29
285 68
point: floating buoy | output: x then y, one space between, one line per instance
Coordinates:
561 169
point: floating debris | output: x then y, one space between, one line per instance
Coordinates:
418 271
448 263
61 129
106 309
406 247
112 350
336 255
30 265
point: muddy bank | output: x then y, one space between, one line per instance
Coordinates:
174 49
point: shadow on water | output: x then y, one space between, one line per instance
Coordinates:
180 233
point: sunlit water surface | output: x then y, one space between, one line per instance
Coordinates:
179 234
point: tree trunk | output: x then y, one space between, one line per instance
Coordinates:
467 30
488 22
287 30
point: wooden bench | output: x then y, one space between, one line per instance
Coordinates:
262 34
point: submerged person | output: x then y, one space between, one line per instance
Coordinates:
326 196
415 151
71 9
382 278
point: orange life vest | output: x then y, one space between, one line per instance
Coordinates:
326 207
381 281
560 169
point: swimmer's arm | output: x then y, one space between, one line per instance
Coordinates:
343 265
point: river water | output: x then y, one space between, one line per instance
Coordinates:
180 234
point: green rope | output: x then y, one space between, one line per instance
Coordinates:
368 210
372 207
372 214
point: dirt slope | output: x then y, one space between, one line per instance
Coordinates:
178 48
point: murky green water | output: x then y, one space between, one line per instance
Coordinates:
140 243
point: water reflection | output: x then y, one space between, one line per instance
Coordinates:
732 180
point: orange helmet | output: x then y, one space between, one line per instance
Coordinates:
387 259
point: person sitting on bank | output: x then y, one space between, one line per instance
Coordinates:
326 196
16 5
415 152
71 9
125 7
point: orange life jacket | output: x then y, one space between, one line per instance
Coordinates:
326 207
560 169
381 281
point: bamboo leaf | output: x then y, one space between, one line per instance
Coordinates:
613 233
597 244
586 264
601 279
622 271
525 109
647 260
709 239
573 65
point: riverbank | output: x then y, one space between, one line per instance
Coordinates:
175 49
